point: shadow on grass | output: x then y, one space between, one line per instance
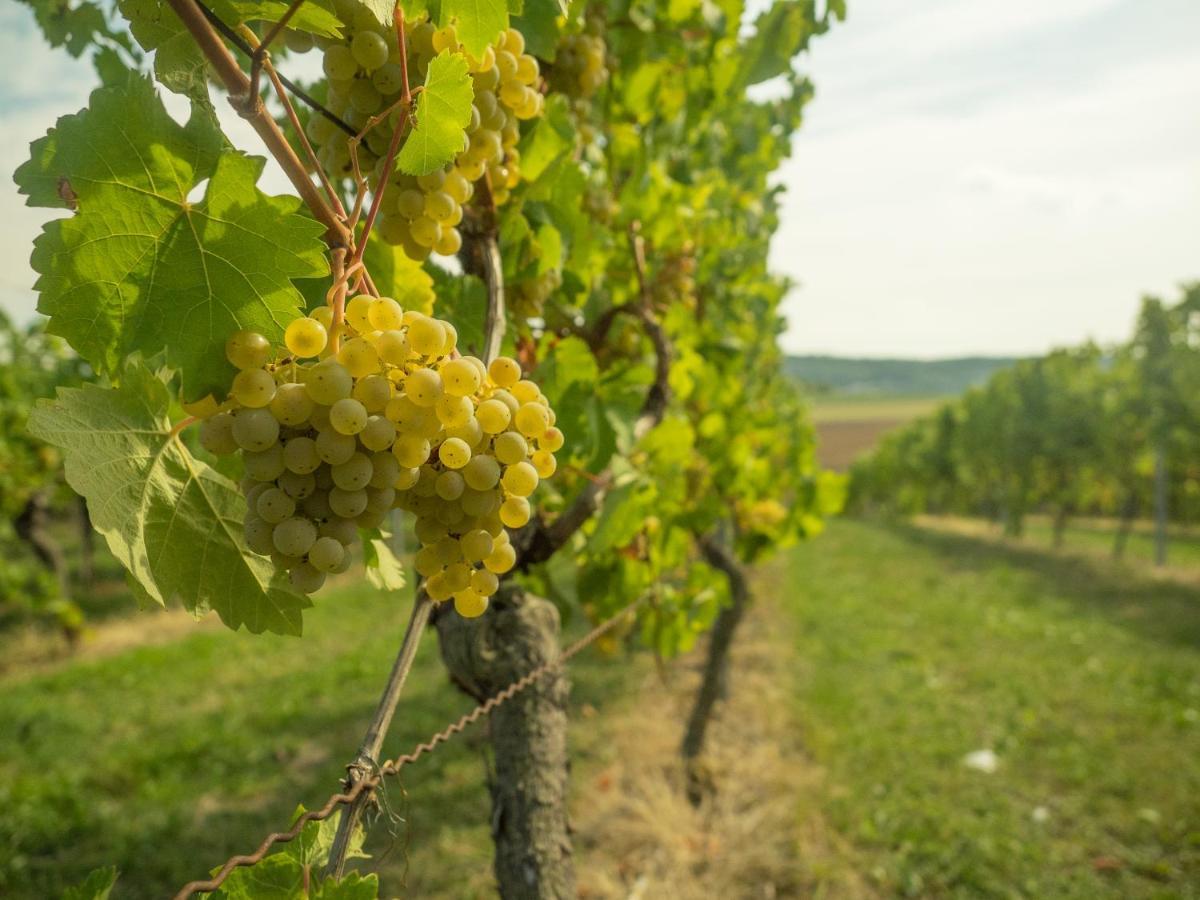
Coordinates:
1161 609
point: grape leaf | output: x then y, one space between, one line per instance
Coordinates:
97 886
538 21
477 22
443 113
314 16
170 519
178 63
354 886
140 266
383 10
382 568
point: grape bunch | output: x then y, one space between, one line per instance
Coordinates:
331 442
580 70
421 214
675 281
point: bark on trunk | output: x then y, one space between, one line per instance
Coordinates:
1160 505
31 526
714 681
1128 511
528 735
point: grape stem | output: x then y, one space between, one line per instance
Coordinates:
238 85
182 424
261 52
337 298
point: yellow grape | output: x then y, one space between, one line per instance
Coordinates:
514 512
247 350
469 604
426 336
423 387
520 479
358 313
328 382
348 416
551 439
253 388
392 347
454 453
385 314
484 582
504 371
359 357
460 377
305 337
493 416
532 419
482 472
544 462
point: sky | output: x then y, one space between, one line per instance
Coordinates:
972 176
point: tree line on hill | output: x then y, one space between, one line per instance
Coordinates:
1081 431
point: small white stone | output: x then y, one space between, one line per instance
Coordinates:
982 761
1040 814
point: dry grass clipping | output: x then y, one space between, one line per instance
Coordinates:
758 834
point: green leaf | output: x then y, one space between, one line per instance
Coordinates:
312 846
443 113
354 886
171 520
140 267
314 16
383 10
551 138
538 21
178 63
462 301
278 877
477 22
97 886
383 569
779 34
567 362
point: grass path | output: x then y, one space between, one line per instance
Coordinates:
916 648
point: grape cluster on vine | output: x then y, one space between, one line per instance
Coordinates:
331 442
580 70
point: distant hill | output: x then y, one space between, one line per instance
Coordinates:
893 377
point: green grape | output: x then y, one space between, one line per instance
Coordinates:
479 502
258 535
216 434
469 604
406 477
449 550
469 432
512 93
392 347
306 579
324 477
544 462
493 417
291 404
255 429
449 242
414 250
426 562
507 399
247 350
359 357
342 530
298 41
253 490
532 419
293 537
482 473
348 416
297 486
450 513
439 206
328 382
436 588
392 228
300 455
449 485
453 411
339 62
484 582
364 98
527 69
454 453
373 392
305 337
514 512
504 371
502 559
458 576
460 377
355 473
316 505
377 434
429 531
274 506
520 479
410 203
369 50
476 545
347 504
326 554
385 314
357 312
423 387
425 231
388 79
380 499
264 465
335 448
253 388
384 469
456 186
410 450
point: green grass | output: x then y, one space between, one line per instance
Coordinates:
165 760
869 409
916 648
1096 536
